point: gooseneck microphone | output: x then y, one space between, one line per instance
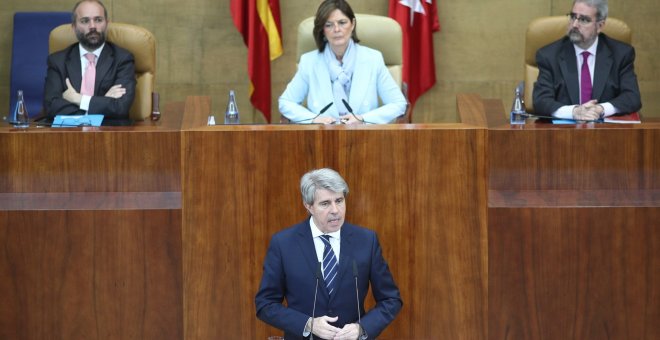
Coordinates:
316 290
325 108
357 296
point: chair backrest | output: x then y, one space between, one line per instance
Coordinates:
375 31
137 40
28 56
544 30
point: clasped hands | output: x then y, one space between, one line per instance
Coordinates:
323 329
71 95
588 111
348 119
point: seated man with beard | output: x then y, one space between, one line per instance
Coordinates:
586 75
92 75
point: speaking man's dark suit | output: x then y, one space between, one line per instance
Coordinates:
114 66
614 78
290 272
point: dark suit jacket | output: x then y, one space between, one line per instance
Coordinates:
114 66
614 76
290 273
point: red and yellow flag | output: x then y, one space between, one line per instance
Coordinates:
259 23
418 20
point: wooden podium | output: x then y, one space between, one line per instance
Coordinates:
90 232
573 231
159 231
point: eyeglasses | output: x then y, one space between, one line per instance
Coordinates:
582 20
331 25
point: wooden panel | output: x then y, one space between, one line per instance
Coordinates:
421 188
574 273
141 158
91 274
90 201
602 157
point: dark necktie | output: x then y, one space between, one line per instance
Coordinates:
329 265
585 79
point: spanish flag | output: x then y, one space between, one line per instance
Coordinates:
259 23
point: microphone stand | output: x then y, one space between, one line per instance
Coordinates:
357 298
325 108
316 290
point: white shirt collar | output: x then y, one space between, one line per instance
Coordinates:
97 52
592 49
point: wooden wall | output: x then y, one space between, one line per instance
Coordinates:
422 190
479 50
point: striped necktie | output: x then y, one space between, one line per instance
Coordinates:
329 265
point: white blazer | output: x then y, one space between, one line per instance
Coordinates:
371 81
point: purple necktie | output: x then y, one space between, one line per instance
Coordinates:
89 78
585 79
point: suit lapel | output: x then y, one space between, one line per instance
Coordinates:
306 243
568 66
602 68
360 80
322 75
73 67
103 65
346 254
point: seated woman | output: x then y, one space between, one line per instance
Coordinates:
342 81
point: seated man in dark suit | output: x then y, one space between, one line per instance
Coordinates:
93 75
324 250
586 75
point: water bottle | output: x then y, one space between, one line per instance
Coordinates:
20 117
155 106
231 114
518 111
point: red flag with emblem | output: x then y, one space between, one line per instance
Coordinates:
418 20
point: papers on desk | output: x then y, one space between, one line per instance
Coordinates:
629 118
78 120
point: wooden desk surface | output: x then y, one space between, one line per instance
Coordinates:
159 230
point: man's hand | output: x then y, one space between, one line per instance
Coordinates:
323 329
116 91
70 94
590 110
350 331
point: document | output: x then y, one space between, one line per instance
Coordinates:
78 120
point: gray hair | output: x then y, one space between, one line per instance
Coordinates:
601 7
321 179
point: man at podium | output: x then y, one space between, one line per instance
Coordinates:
323 267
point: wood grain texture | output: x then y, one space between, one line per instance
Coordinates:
601 157
574 273
91 274
140 158
422 189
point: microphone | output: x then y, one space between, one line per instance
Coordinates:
357 296
316 289
325 108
